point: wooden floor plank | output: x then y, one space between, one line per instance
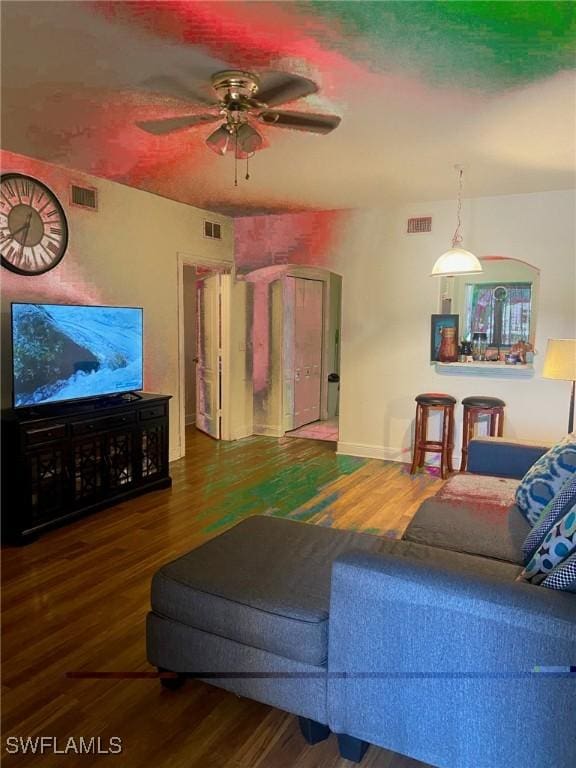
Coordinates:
76 600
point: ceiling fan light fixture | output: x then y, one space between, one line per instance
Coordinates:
242 98
249 140
457 260
219 140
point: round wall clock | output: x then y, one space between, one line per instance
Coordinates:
33 226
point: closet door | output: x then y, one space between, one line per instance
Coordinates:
308 314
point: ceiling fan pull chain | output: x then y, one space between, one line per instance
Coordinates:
247 168
236 158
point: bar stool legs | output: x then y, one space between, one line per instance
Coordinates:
447 443
419 437
474 407
424 404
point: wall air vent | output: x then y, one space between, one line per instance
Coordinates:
84 197
419 224
212 230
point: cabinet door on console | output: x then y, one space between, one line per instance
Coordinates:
47 476
119 458
154 446
153 441
89 469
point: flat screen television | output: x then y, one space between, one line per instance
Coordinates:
64 352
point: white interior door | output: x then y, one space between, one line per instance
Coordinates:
209 354
308 316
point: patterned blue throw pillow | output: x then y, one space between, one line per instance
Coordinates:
563 577
545 478
563 502
558 545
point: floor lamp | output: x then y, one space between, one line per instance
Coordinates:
560 363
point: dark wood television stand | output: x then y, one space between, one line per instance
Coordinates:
63 461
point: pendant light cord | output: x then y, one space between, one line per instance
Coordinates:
457 239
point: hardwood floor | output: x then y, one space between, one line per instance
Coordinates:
76 601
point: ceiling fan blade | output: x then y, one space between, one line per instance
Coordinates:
279 87
172 124
300 121
171 86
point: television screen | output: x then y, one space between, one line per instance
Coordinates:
66 352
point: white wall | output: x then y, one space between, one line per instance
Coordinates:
189 287
123 254
388 298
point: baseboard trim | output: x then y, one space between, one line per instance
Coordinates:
266 430
387 453
371 451
175 455
241 432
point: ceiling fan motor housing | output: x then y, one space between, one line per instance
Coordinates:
233 85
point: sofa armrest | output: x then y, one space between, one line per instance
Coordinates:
503 458
438 665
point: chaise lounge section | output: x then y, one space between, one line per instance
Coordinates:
428 646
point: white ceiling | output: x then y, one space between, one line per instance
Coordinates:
73 86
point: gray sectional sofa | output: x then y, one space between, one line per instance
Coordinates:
427 646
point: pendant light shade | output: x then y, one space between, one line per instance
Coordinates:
457 260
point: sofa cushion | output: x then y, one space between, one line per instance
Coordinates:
459 564
563 577
557 546
562 503
480 492
491 532
264 583
546 477
503 458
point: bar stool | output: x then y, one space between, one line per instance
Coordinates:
425 403
477 406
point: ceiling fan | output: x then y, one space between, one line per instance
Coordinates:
242 99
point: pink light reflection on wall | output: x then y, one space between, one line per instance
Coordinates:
262 278
297 238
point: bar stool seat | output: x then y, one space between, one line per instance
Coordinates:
474 407
435 398
424 403
479 401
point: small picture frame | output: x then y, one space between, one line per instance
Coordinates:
438 322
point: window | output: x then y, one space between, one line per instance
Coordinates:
501 310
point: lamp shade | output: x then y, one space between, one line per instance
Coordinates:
560 360
457 261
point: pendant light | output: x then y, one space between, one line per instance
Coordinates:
457 260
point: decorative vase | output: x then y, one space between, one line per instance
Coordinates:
448 352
